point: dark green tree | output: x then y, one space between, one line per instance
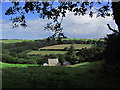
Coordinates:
71 55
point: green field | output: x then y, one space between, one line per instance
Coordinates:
21 40
9 65
13 41
45 52
62 46
88 75
79 39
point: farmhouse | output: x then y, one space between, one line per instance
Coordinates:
53 62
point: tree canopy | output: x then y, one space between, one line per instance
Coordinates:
57 11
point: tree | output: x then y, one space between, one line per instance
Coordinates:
112 49
71 55
116 13
71 50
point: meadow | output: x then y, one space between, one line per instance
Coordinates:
13 41
45 52
9 65
83 39
7 41
62 46
56 49
88 75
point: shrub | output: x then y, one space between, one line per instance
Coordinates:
7 58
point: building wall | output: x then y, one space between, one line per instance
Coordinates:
53 62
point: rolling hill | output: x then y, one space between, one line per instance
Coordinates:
62 46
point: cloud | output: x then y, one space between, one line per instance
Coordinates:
74 27
86 27
35 30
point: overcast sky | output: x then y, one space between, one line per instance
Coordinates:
73 27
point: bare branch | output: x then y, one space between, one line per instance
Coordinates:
112 29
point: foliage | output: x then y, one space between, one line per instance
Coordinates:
51 11
92 54
112 48
71 55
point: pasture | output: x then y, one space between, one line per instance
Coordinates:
55 48
13 41
9 65
83 39
45 52
62 46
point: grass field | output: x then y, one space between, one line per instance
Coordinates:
79 39
45 52
9 65
62 46
89 75
13 41
21 40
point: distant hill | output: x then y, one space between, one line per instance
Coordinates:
62 46
21 40
13 40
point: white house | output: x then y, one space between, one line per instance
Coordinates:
53 62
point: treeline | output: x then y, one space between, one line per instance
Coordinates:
26 45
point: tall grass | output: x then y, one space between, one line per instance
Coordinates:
91 75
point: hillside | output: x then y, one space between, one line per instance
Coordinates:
58 49
39 51
13 41
45 52
88 75
62 46
22 67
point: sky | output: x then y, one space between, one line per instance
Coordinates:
73 26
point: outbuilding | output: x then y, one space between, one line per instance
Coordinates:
65 63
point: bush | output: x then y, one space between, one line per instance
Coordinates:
71 55
7 58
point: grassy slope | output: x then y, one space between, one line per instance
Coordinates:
90 75
80 39
62 46
45 52
9 65
21 40
13 41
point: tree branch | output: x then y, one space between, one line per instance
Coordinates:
112 29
